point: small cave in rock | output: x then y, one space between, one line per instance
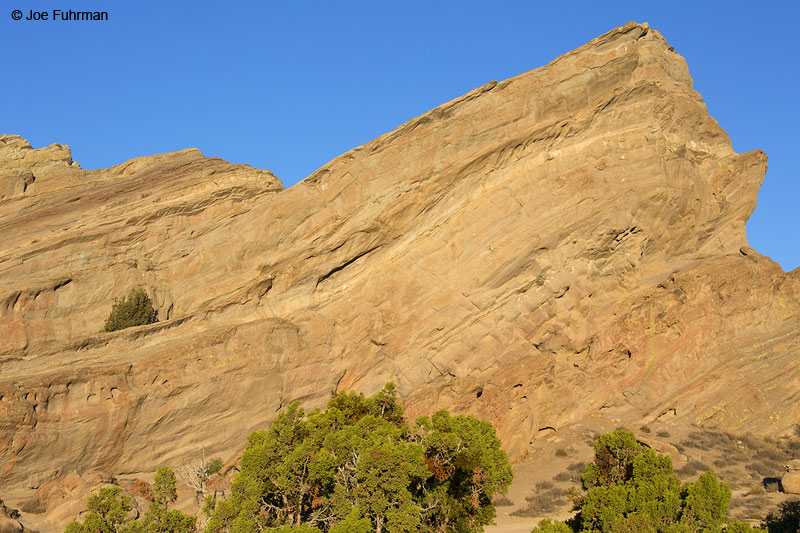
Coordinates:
479 393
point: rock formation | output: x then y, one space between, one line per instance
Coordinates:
8 519
791 479
568 243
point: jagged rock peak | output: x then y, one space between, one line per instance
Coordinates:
52 168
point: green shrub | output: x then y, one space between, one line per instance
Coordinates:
549 526
359 466
630 489
786 520
109 511
213 466
135 309
542 502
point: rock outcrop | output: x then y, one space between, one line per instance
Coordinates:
791 479
8 519
568 243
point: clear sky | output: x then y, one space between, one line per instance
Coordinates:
290 85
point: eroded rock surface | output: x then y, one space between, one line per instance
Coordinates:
8 519
568 243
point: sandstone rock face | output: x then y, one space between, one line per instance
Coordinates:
8 522
22 166
791 483
565 244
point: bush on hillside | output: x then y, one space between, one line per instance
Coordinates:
110 511
135 309
629 489
213 466
785 520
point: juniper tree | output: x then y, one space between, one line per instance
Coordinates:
359 466
628 488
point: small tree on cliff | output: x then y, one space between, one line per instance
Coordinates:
359 467
135 309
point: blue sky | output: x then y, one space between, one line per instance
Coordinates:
290 85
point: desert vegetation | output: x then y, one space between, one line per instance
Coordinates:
359 466
109 511
628 488
785 520
355 467
751 465
133 309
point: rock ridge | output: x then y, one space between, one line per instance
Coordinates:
566 244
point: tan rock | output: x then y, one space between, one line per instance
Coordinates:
791 483
8 519
664 448
566 244
22 166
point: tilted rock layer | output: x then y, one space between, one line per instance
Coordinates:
565 244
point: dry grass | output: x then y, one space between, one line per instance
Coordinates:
545 485
542 503
764 469
502 501
692 467
744 459
576 468
791 447
724 461
750 507
774 454
564 476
